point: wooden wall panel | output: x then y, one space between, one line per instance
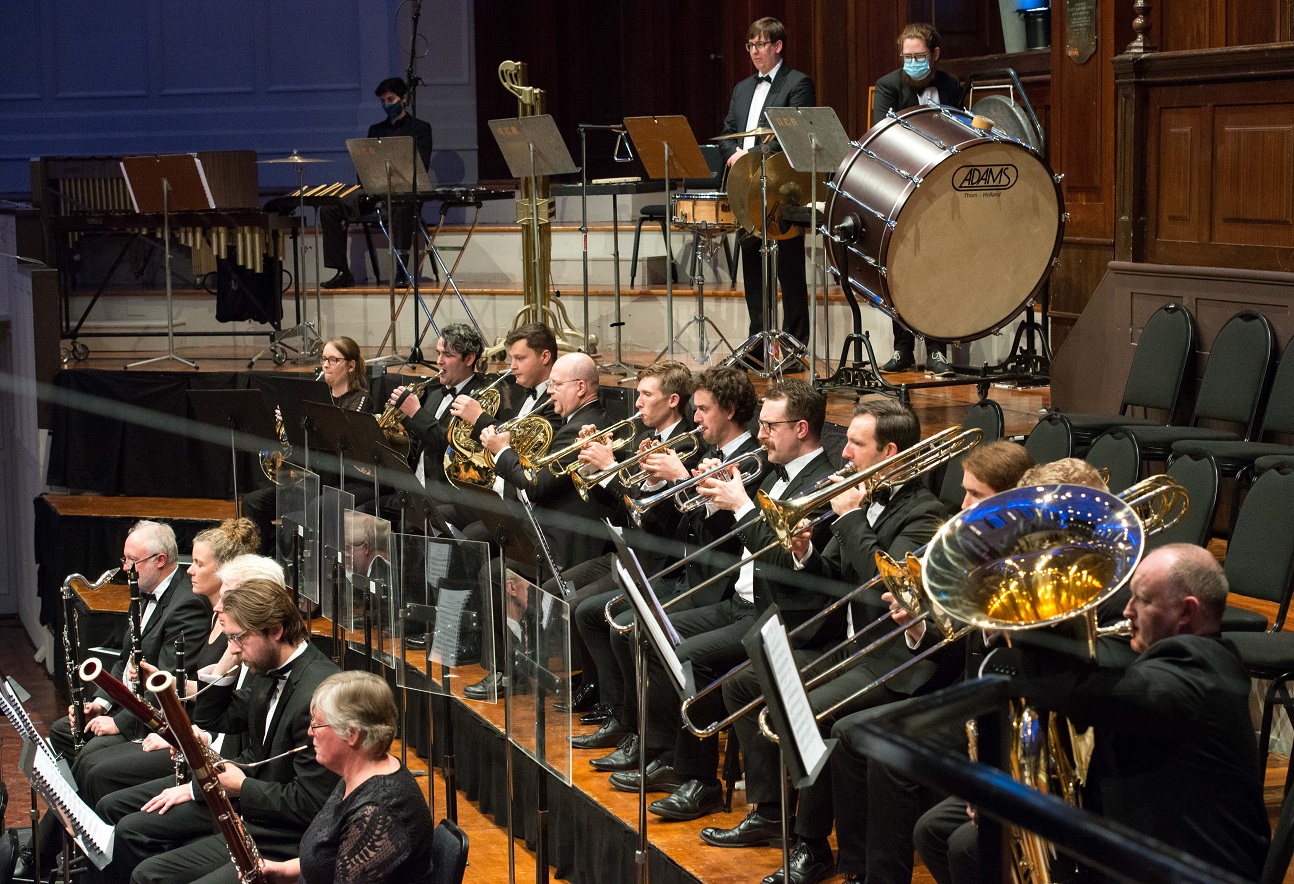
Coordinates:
1257 21
1181 196
1253 180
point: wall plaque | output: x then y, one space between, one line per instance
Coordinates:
1080 29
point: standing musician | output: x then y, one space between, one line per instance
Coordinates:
897 521
724 403
790 429
164 834
774 84
393 93
919 81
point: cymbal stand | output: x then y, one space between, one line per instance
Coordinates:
410 273
170 308
707 238
618 365
779 348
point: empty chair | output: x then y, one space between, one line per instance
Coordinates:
1198 474
1052 438
1260 554
449 847
1116 452
987 416
1232 390
1155 377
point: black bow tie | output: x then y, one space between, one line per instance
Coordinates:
146 597
280 674
763 78
883 495
530 391
780 471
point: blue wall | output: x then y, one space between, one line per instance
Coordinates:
154 76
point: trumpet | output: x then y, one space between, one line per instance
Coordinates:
629 478
565 461
749 465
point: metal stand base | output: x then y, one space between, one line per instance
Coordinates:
862 376
703 238
780 350
311 345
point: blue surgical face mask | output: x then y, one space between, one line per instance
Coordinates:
393 110
917 69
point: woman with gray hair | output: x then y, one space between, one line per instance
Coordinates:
376 826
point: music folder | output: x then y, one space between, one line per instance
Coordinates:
789 712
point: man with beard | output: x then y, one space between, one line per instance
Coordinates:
917 82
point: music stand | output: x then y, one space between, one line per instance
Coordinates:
814 141
533 148
668 149
161 185
241 411
334 435
387 166
296 422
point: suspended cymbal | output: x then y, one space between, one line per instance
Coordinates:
786 188
739 177
761 132
294 157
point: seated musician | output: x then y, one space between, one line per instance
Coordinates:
342 368
895 520
790 428
169 609
1175 757
919 81
393 93
376 826
663 391
163 832
724 403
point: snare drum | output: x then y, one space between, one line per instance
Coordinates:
958 228
711 210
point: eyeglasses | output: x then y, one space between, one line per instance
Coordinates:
752 45
127 562
312 727
915 56
552 384
236 639
330 360
767 426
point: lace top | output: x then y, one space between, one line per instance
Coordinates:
380 833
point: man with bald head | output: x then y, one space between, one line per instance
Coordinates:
573 527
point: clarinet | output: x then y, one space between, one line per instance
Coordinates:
136 624
181 688
242 849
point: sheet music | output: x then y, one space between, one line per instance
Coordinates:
91 833
449 619
804 728
13 710
662 641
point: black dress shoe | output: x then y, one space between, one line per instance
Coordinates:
26 863
753 831
583 698
487 688
690 801
660 778
900 361
807 867
416 642
343 280
598 714
607 736
625 757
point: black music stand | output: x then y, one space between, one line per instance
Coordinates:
161 185
388 166
814 142
333 435
533 148
241 411
292 406
668 149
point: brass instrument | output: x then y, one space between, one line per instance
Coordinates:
749 466
566 461
392 420
531 436
242 849
464 456
630 478
272 461
72 586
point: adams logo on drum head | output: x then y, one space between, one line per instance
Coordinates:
975 178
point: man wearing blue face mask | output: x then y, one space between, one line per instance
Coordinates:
918 82
393 95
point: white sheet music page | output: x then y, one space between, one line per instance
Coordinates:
804 729
85 824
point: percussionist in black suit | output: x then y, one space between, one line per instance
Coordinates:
774 84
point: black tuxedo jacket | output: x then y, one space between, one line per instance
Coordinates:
280 799
430 433
181 612
895 93
789 88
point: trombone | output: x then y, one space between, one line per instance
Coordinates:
749 465
565 461
630 478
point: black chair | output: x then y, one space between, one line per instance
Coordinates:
986 415
1052 438
658 213
1235 383
1260 554
1154 379
448 854
1282 849
1198 474
1117 453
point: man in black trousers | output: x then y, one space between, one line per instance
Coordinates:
774 84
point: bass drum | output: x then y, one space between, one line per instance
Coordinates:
949 228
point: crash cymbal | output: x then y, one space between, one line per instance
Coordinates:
295 158
786 188
740 174
761 132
